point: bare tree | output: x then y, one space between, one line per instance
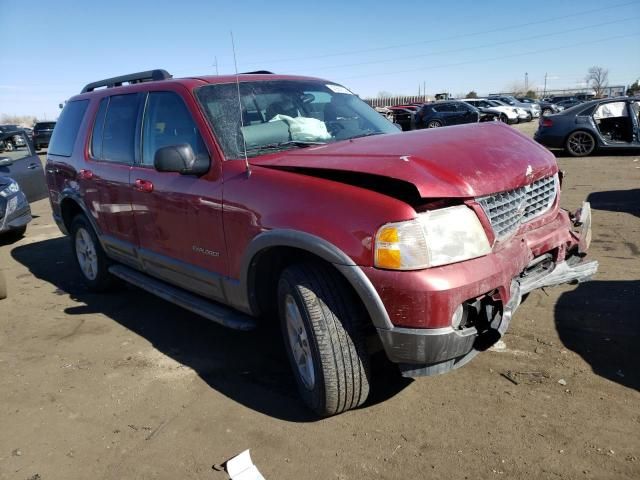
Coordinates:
598 79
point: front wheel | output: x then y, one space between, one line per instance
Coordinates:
90 258
580 144
434 124
322 324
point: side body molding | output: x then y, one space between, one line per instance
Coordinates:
240 293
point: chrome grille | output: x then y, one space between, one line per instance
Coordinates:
508 210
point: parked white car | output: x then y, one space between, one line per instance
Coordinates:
507 114
523 115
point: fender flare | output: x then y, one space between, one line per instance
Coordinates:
322 249
69 193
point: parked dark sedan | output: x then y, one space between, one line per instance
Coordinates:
445 113
42 134
598 124
402 115
15 212
10 138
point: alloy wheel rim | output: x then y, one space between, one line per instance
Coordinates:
433 125
86 254
581 143
299 343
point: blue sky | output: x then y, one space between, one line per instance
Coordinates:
52 48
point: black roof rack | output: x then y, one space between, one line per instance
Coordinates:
148 76
258 72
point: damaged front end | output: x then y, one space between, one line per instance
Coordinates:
481 320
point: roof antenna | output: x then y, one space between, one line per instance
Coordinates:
244 143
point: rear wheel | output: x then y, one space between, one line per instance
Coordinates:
322 324
434 124
580 144
90 258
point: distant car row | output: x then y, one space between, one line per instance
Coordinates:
10 139
443 113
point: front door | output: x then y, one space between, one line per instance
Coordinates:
178 217
20 162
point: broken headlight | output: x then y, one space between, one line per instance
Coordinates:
437 237
10 189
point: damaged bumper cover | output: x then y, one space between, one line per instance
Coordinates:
430 351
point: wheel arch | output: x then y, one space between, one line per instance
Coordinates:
271 252
71 205
595 135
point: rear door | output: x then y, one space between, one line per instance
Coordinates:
25 167
178 218
104 178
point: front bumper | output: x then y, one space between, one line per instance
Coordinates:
429 351
15 212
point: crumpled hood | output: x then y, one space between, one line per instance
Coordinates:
461 161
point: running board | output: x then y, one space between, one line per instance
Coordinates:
205 308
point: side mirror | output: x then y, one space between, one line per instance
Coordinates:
5 162
181 159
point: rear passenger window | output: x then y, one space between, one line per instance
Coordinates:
167 121
98 126
118 133
65 133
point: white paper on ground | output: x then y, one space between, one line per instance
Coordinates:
241 467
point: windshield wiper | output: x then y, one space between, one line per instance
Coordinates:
282 145
368 134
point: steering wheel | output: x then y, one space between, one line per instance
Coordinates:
334 127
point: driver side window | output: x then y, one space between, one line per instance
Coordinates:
167 121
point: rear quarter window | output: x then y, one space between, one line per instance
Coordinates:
66 130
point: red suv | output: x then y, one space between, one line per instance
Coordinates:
238 197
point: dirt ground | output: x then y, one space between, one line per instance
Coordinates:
125 385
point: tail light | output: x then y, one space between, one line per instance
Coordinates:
546 122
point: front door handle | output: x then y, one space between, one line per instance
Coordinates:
32 166
143 186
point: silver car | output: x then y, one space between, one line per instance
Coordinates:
533 109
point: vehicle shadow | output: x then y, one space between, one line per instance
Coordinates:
248 367
599 321
627 201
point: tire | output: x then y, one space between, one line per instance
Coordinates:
434 124
580 144
323 323
90 259
504 118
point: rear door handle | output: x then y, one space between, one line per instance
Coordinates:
143 186
32 166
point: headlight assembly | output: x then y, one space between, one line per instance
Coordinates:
10 189
437 237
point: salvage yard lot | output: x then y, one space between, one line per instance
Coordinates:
125 385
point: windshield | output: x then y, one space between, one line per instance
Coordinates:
497 103
284 114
